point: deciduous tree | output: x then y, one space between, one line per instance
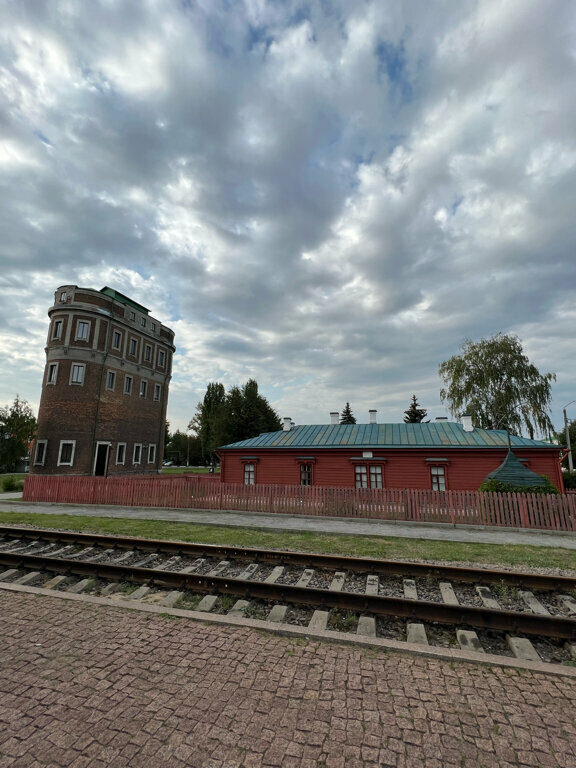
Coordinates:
17 428
494 382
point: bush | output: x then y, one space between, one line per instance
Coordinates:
12 484
569 479
496 486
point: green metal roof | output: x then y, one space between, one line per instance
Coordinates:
444 434
123 299
514 472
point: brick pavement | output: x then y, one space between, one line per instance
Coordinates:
90 686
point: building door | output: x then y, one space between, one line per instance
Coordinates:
101 462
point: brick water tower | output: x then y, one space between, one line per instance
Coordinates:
105 387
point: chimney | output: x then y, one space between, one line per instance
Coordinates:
467 425
287 424
334 417
372 415
441 418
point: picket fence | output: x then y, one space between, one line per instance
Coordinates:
556 513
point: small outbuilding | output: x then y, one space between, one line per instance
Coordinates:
441 455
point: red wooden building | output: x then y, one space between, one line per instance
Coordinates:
441 455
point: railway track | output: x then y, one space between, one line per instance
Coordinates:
525 614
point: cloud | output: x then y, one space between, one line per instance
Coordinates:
326 197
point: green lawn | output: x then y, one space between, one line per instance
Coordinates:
359 546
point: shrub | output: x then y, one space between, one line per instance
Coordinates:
569 479
12 484
497 486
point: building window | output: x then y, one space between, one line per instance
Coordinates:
438 477
148 353
132 348
63 296
40 456
116 340
151 453
361 476
66 453
143 388
161 358
57 332
153 326
128 385
375 476
157 392
52 375
120 453
82 330
143 322
305 474
132 315
77 373
137 453
110 380
249 474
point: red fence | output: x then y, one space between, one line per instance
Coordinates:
556 513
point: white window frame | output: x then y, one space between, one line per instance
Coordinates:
40 460
79 367
120 449
376 480
249 474
157 392
143 388
70 463
57 329
361 476
128 383
438 477
110 380
116 335
52 369
137 454
84 324
63 296
151 453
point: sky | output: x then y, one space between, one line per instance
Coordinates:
329 196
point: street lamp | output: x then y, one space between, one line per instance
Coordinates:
567 432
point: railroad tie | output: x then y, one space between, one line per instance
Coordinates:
372 584
220 568
416 633
275 575
306 578
277 614
488 599
249 572
319 621
138 594
366 626
5 575
469 641
410 591
533 603
448 594
172 598
337 584
194 567
207 603
27 578
569 603
522 648
239 608
82 586
54 582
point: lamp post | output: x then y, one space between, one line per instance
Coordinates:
567 432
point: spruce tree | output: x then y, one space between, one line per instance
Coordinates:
414 415
347 417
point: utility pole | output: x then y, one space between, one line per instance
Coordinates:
567 432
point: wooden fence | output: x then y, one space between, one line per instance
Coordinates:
556 513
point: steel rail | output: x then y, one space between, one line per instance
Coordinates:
444 613
453 573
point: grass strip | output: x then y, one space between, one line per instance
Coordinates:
517 555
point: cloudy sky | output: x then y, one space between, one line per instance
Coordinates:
327 196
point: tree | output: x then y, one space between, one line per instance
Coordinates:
494 382
560 438
347 417
227 417
17 428
414 415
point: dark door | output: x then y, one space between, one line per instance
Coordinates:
101 459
